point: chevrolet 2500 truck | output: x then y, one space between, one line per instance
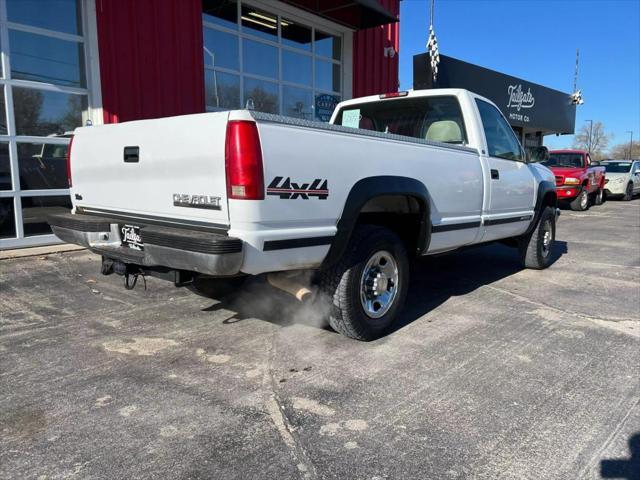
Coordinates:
391 177
580 183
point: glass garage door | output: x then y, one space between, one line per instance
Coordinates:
43 97
278 64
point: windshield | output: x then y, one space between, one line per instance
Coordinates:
618 167
438 119
571 160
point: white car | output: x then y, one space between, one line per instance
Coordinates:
392 177
623 178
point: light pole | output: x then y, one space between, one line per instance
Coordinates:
630 143
590 135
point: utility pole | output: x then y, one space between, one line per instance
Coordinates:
590 135
630 143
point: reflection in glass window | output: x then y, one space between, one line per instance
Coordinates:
297 102
501 141
295 35
36 209
5 167
46 59
296 68
43 113
259 59
325 104
220 49
259 23
59 15
222 90
220 12
7 218
327 76
328 46
263 94
42 166
3 113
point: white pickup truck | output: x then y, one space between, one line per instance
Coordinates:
226 194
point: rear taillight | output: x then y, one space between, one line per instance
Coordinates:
69 162
243 161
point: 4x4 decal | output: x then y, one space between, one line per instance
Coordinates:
288 190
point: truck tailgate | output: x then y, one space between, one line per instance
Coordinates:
171 168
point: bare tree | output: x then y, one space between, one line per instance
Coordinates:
621 151
592 139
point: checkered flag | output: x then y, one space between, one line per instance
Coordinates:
432 47
576 98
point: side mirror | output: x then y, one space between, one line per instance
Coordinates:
538 154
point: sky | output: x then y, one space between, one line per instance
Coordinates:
537 40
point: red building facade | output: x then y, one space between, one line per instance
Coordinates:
151 61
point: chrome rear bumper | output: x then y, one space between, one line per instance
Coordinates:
176 248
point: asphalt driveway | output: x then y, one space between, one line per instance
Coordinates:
494 372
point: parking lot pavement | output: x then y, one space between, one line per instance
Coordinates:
494 372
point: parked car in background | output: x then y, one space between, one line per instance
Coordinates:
579 181
623 178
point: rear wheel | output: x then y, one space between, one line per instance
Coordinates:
367 288
628 193
581 202
536 248
599 197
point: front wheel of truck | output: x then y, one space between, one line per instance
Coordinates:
368 286
536 248
581 202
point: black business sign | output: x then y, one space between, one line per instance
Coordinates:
525 104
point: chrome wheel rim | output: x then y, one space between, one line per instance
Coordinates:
379 284
583 200
547 238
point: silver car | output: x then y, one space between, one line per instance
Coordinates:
623 178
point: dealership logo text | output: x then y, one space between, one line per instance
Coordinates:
519 99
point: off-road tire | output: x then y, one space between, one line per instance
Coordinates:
578 204
532 250
341 283
628 193
216 288
598 198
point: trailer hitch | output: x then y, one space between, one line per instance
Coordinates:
126 270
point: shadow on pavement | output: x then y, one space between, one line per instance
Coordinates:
621 468
433 280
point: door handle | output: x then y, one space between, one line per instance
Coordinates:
495 174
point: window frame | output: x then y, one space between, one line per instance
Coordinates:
523 155
305 19
88 39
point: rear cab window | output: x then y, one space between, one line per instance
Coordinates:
437 119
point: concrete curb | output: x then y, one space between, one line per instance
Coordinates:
35 251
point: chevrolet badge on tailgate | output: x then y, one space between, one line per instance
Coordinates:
196 201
